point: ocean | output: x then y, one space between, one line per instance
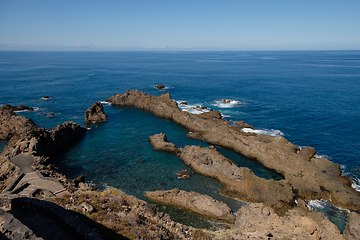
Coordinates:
312 98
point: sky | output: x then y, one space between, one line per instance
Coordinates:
116 25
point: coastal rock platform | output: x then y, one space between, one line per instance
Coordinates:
309 177
195 202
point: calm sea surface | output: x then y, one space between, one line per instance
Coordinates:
311 97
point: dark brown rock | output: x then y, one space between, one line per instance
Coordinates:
160 86
183 174
194 202
159 142
95 114
17 108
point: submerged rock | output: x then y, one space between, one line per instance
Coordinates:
183 174
194 202
95 114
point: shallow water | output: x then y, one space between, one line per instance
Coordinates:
311 98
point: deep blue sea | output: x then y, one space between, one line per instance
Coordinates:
311 97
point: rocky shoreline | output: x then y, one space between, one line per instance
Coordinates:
308 177
276 209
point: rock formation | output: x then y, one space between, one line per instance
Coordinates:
240 183
159 142
17 108
95 114
160 86
183 174
310 178
194 202
25 137
257 221
11 124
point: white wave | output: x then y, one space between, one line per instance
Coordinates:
18 111
356 187
356 183
321 156
194 109
271 132
316 204
105 103
319 205
225 104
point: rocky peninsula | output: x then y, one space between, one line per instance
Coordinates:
307 176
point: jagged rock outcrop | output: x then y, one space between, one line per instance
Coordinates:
25 137
17 108
11 124
40 142
195 202
95 114
238 182
159 142
310 178
160 86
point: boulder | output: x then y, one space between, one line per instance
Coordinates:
160 86
195 202
183 174
159 142
95 114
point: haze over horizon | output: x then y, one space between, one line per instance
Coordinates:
179 25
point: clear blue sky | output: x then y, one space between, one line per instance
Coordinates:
176 25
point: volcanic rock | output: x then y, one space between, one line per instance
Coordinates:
257 221
160 86
17 108
11 124
159 142
237 182
194 202
95 114
307 179
183 174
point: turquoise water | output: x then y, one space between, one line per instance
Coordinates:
310 97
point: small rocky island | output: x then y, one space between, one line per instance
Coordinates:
276 209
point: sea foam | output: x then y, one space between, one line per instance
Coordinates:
194 109
230 104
